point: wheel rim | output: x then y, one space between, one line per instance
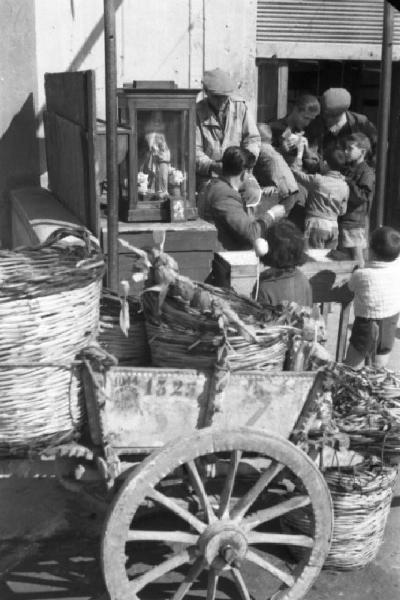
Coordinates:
223 533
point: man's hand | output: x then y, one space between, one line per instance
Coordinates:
286 145
277 212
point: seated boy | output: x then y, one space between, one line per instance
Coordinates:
376 290
224 205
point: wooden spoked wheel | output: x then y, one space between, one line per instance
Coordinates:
226 541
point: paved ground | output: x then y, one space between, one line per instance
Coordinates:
65 566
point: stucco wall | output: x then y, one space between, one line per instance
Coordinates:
178 39
156 39
19 164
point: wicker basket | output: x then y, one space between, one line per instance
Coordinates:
183 337
49 311
132 349
361 502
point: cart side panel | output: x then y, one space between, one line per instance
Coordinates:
146 408
268 401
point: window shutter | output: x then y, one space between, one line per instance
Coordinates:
322 28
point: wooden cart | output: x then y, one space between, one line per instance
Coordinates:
218 467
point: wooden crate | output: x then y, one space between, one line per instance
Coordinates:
192 244
236 269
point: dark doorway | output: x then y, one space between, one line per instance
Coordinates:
278 92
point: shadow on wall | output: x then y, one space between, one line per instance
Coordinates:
19 162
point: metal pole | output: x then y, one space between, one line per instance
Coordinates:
384 112
111 141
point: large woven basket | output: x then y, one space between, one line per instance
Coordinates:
183 337
49 312
361 503
131 349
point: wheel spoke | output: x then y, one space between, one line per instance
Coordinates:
190 578
165 567
198 487
283 575
212 584
257 537
267 514
144 535
226 494
174 507
243 505
241 585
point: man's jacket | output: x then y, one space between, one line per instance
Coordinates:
212 139
319 136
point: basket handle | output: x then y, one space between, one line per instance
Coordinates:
91 244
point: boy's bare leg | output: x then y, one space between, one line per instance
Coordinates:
354 359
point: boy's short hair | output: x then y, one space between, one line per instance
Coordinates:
307 103
385 242
234 160
360 140
286 245
335 157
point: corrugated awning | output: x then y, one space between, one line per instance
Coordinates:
335 29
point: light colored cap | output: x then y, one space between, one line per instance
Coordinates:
335 101
218 82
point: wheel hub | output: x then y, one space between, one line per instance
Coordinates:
223 544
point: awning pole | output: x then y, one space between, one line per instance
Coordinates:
111 141
384 112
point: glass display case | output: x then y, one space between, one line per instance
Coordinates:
157 177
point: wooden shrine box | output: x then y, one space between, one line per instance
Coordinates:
327 278
235 269
160 170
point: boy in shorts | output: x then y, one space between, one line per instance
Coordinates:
360 178
376 290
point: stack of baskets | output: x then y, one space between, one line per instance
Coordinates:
49 311
361 503
131 349
182 336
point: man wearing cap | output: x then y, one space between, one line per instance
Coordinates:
336 122
223 120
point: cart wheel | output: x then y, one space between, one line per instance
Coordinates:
227 544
